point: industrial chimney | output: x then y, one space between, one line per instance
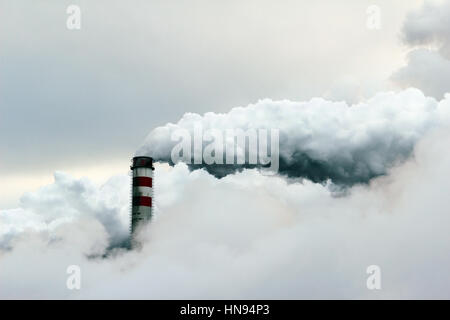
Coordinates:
142 191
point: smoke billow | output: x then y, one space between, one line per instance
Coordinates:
290 240
246 236
319 140
68 200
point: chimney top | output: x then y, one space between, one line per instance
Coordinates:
142 162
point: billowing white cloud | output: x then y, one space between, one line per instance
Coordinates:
321 140
252 236
68 200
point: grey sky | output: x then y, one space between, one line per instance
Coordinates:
427 32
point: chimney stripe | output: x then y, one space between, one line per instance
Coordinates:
142 201
142 182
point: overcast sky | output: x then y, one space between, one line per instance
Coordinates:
83 100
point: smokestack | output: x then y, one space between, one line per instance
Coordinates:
142 191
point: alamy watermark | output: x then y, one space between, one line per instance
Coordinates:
74 279
227 147
373 282
373 21
73 21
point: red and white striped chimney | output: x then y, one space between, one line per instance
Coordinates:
142 191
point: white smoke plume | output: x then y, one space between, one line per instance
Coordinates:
251 236
69 200
246 235
321 140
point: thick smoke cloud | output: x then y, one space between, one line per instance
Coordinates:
249 236
68 200
427 31
321 140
